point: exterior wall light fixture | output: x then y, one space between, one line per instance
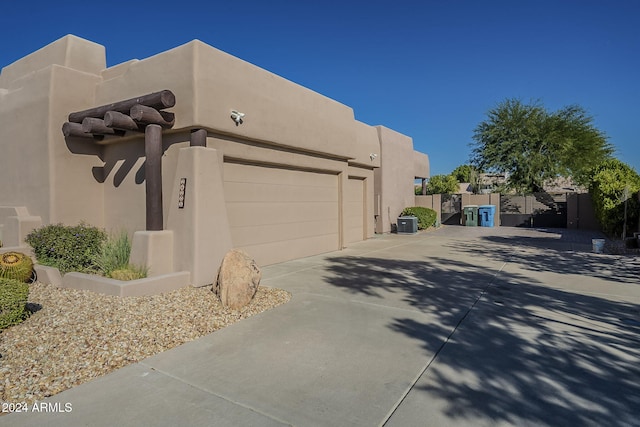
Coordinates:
237 116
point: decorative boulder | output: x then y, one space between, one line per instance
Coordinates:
238 279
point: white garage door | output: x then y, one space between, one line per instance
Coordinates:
280 214
354 210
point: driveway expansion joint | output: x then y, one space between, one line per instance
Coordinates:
219 396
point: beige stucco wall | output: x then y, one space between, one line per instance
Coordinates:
52 179
394 180
421 165
286 126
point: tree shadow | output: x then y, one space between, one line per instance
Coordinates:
537 356
560 251
518 351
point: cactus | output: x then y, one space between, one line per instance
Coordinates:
16 265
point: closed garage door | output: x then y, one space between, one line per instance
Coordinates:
280 214
354 210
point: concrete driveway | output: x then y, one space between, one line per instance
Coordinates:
458 326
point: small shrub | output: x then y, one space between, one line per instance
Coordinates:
13 302
114 254
113 259
131 272
68 248
16 265
426 217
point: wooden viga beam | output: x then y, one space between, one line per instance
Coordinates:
74 129
116 123
150 116
116 120
156 100
98 126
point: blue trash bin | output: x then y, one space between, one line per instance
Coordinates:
486 214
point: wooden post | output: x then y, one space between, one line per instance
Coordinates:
198 138
153 176
424 186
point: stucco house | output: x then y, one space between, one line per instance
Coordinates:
297 176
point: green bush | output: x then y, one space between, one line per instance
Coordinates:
13 302
426 217
68 248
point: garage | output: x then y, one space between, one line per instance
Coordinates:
276 214
354 210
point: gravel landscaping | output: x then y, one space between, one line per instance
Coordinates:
74 335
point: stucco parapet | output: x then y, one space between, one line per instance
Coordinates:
366 145
209 84
421 166
117 70
69 51
276 109
390 138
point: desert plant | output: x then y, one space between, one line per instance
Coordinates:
426 217
113 259
16 265
114 254
68 248
130 272
13 302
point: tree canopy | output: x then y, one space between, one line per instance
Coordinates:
442 184
469 174
465 173
534 145
611 184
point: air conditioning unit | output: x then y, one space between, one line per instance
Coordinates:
407 225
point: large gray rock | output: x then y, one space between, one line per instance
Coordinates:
238 279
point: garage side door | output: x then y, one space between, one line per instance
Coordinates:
280 214
354 210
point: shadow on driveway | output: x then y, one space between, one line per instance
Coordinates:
559 251
520 351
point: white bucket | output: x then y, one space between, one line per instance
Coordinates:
598 245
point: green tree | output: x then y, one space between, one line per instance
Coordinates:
534 145
442 184
463 173
467 173
611 184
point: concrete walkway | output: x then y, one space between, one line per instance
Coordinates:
460 326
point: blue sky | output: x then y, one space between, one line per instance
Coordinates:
428 69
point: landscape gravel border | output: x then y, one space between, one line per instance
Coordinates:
73 336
